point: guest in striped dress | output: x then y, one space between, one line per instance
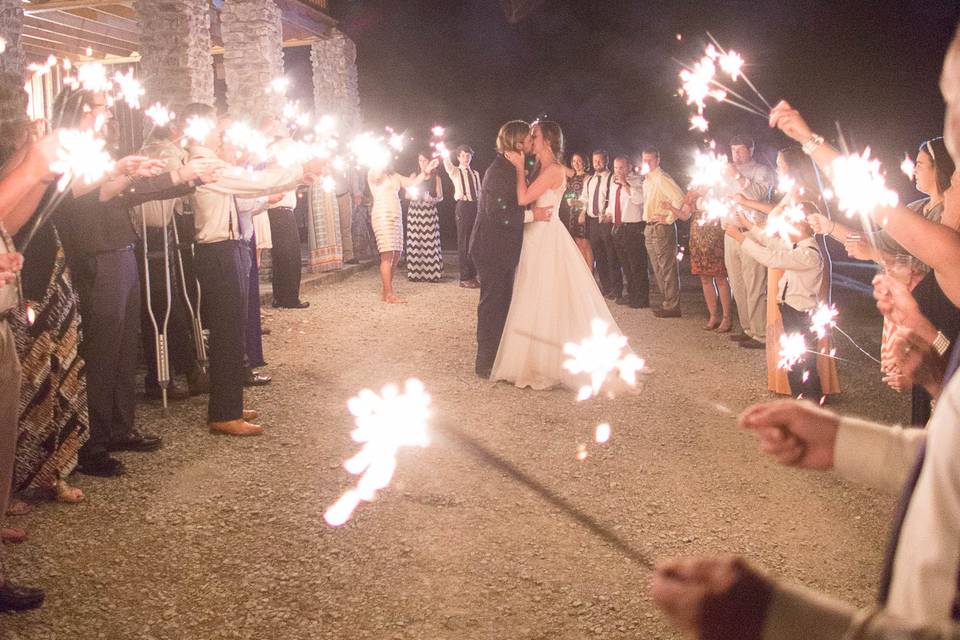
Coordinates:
386 216
424 257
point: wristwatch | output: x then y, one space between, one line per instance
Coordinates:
812 144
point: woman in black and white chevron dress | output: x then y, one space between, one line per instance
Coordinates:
424 257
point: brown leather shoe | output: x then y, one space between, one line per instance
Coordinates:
235 428
250 414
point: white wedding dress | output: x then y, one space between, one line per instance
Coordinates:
555 300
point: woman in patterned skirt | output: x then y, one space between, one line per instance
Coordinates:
424 257
386 217
706 261
572 211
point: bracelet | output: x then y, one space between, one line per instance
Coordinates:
812 144
941 343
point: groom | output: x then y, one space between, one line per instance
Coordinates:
497 238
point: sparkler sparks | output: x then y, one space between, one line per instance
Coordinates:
708 170
199 129
699 123
80 156
370 151
792 349
859 185
822 318
92 76
385 423
784 224
159 114
3 44
907 166
600 356
602 433
128 88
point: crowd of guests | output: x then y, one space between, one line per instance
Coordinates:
163 247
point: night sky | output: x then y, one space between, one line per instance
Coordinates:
603 70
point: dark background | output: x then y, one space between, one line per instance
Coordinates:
604 70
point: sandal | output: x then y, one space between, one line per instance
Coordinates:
19 508
65 493
725 326
13 535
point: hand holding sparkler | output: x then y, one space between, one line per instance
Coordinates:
913 361
205 170
897 304
128 166
795 433
789 120
713 597
821 224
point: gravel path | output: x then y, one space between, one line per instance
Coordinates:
216 537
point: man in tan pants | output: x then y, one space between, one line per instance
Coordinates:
13 597
661 231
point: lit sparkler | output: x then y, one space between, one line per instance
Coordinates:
822 318
709 170
80 156
859 185
907 166
128 88
159 115
784 223
792 349
278 86
600 356
92 76
199 129
370 151
715 209
602 433
699 123
385 423
3 44
328 184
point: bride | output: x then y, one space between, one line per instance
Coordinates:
555 298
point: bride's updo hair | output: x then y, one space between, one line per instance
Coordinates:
552 135
511 135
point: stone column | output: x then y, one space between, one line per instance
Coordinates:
336 93
11 25
176 66
252 56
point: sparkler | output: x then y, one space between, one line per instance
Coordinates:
370 151
709 170
859 186
80 155
199 129
128 88
601 355
92 76
907 166
699 123
438 143
602 433
3 44
785 223
159 115
822 318
385 423
792 349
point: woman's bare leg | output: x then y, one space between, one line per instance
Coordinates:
723 285
710 296
388 260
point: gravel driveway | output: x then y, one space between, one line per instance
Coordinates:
216 537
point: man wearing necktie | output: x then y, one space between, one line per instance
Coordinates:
625 208
599 227
466 190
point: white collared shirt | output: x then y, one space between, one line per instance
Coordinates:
466 181
631 202
9 297
597 180
802 267
214 205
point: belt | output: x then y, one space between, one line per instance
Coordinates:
281 209
128 247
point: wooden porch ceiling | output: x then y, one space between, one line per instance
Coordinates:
108 29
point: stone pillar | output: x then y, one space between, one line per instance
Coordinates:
252 56
176 66
323 231
335 93
11 25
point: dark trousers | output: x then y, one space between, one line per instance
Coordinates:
253 332
496 292
631 249
285 255
605 256
466 214
219 267
799 322
180 347
108 287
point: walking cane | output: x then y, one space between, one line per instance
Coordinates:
199 344
160 337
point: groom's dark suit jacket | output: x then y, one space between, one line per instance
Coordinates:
498 231
495 250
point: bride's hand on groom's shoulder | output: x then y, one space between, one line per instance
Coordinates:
515 158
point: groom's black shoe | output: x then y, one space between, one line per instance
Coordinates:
640 304
623 300
484 374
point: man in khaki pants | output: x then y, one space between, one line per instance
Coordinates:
13 597
659 189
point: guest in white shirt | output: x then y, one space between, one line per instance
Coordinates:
596 191
466 191
625 209
797 294
661 197
748 278
219 266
